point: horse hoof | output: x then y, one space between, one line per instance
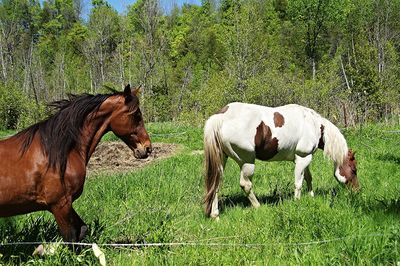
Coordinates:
215 218
39 250
47 249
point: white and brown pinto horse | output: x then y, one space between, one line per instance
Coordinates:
245 132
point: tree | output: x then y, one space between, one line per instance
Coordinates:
314 17
104 36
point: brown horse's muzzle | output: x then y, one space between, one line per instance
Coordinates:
142 151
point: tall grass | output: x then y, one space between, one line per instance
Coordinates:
162 203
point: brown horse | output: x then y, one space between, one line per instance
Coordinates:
44 166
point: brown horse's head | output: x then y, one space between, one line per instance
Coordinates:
349 170
127 123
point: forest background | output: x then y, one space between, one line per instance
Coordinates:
340 57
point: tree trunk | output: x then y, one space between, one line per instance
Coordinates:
344 73
314 70
2 57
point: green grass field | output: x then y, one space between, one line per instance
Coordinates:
162 203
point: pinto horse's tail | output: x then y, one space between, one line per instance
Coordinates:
213 159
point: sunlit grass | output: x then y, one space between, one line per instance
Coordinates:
162 203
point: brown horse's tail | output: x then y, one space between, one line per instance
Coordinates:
213 159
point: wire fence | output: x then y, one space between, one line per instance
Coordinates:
200 243
167 134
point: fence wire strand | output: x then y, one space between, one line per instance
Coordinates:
210 244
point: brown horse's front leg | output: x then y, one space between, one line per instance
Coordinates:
71 226
82 227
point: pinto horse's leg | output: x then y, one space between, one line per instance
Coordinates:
308 178
71 226
301 164
247 171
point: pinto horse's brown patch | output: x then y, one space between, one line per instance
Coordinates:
321 143
279 120
266 147
223 110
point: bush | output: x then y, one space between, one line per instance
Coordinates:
16 109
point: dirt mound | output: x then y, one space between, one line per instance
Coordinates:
117 157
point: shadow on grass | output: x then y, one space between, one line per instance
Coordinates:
389 205
36 229
388 157
274 198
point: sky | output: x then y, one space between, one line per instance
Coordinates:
121 5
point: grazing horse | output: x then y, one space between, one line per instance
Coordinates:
44 166
245 132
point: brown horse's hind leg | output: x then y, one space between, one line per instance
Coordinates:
71 226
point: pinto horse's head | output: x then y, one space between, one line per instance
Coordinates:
127 123
349 171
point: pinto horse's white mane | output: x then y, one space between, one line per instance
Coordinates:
335 143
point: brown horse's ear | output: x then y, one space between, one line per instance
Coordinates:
127 93
127 90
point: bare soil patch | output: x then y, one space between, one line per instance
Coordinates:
115 156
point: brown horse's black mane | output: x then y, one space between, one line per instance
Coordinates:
60 132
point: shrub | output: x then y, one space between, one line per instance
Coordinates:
16 109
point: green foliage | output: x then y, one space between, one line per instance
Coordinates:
134 16
339 57
76 37
16 110
106 30
313 19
